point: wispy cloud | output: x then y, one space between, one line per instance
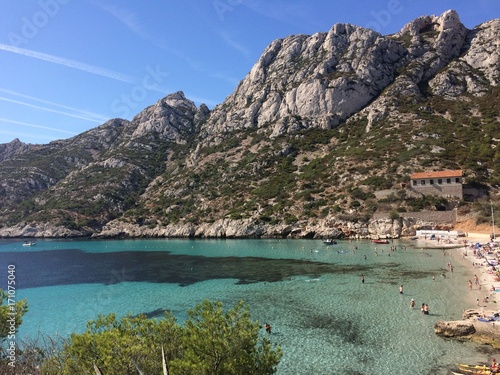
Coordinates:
234 44
131 22
69 63
4 99
297 14
231 80
36 126
79 113
30 135
220 29
128 18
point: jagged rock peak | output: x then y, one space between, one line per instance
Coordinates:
302 82
448 20
13 148
172 118
178 100
14 143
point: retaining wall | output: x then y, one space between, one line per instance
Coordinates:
448 217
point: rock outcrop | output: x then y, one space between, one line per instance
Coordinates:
13 149
171 119
470 328
458 328
302 82
248 228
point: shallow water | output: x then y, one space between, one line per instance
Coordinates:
324 318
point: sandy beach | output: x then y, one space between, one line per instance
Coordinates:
481 301
486 276
462 250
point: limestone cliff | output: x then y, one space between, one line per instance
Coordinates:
304 81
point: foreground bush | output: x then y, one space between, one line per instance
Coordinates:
11 314
211 341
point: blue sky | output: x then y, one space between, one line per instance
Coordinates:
70 65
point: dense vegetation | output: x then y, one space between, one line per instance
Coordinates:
314 173
211 341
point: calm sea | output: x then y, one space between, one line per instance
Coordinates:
324 318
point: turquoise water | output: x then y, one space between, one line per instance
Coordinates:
324 318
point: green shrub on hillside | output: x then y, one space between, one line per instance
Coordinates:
211 341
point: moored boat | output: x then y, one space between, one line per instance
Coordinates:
330 242
381 241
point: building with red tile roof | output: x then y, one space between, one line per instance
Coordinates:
441 183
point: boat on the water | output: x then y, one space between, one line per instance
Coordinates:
330 242
29 243
381 241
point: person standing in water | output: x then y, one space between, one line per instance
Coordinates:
401 289
363 279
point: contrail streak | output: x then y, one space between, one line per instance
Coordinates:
36 126
91 116
69 63
48 109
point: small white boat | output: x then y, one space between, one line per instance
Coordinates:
330 242
29 243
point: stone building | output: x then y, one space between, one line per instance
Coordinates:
441 183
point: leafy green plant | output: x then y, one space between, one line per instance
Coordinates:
11 314
211 341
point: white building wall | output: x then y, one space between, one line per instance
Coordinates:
438 186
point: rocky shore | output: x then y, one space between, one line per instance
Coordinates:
470 328
329 227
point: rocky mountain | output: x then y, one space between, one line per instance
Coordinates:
319 125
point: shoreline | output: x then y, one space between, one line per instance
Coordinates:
481 301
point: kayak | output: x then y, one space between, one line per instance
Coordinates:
474 369
471 372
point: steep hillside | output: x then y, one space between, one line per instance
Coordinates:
78 184
317 126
